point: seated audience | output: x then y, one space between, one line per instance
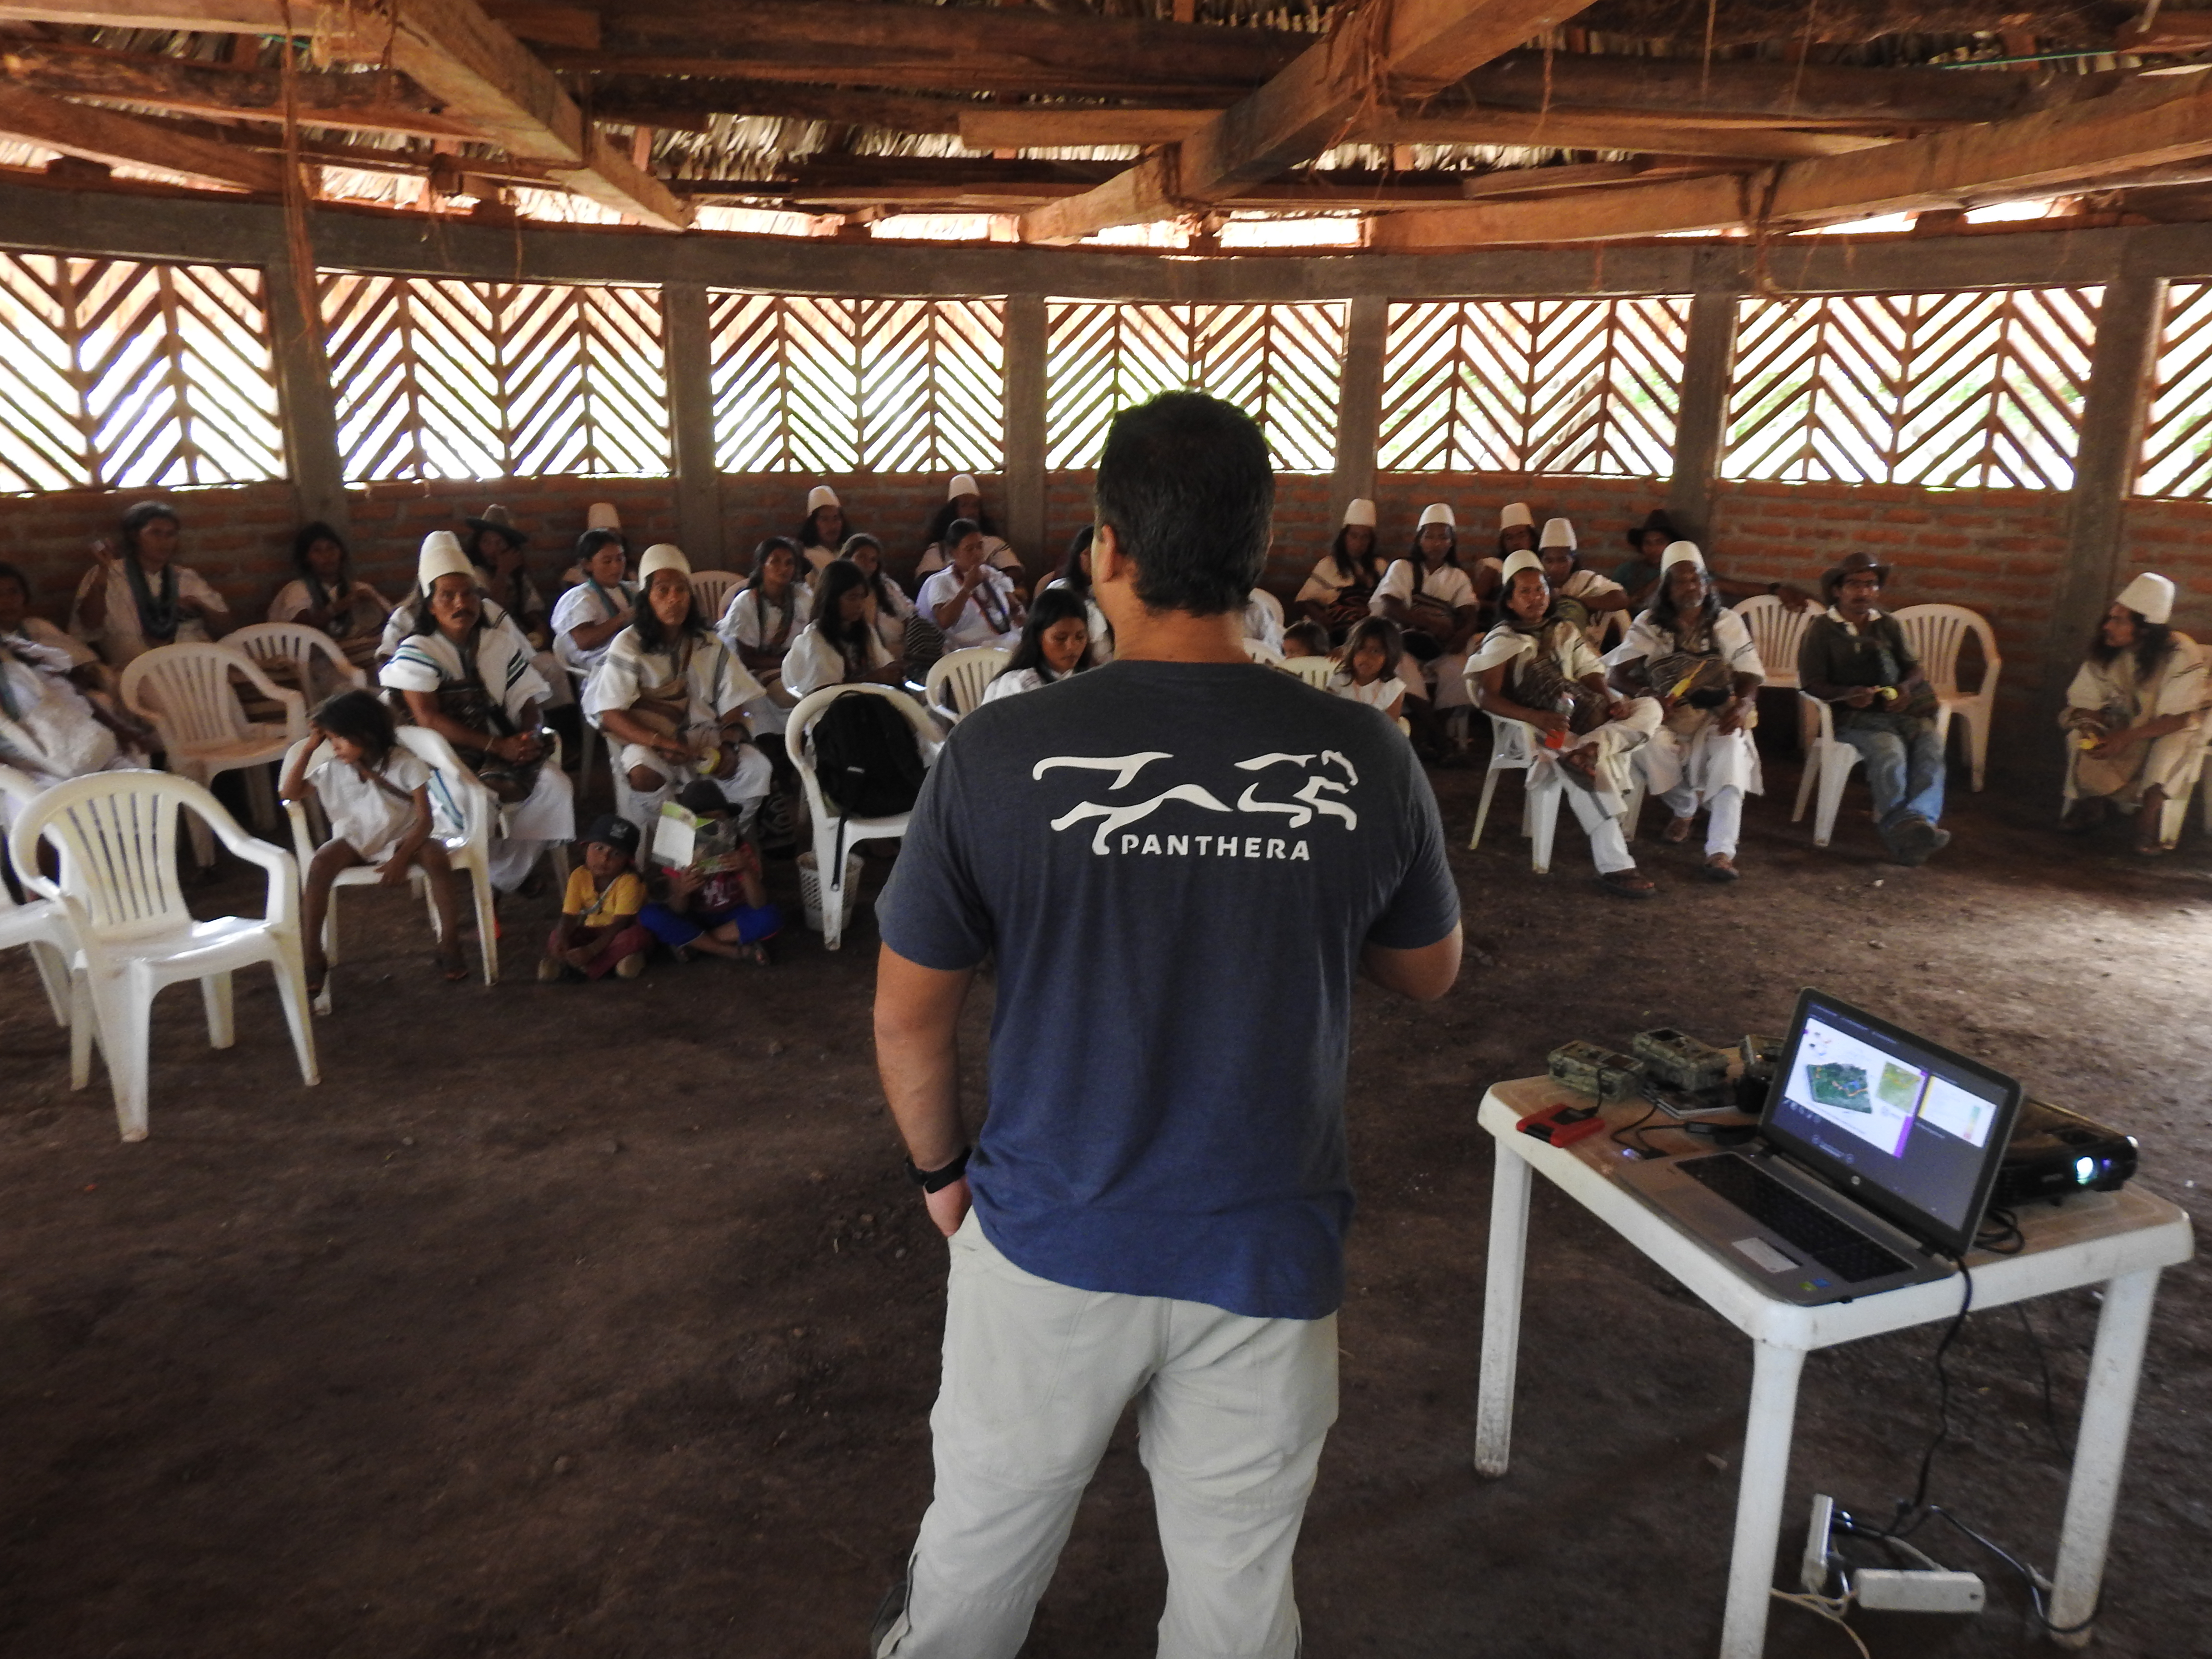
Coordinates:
1304 639
1857 658
56 722
587 618
759 623
963 503
1535 666
599 932
1583 597
674 696
326 597
838 648
376 794
1428 595
1372 654
1346 577
1698 659
2135 708
473 684
1516 533
128 603
972 602
889 611
821 532
1074 575
1055 642
1263 620
719 908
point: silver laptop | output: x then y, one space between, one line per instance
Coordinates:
1873 1160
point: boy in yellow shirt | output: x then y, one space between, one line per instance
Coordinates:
599 930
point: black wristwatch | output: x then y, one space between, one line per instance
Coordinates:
936 1181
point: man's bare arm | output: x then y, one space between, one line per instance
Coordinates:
918 1057
1424 974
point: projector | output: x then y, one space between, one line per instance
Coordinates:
2055 1152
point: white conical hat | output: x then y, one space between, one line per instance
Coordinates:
1359 511
1558 533
963 484
1517 516
2150 596
601 515
819 497
1521 560
1681 553
661 555
441 556
1438 513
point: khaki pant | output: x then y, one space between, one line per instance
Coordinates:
1232 1414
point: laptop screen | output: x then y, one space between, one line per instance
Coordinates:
1908 1128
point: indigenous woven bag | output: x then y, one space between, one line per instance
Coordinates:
1538 684
1701 681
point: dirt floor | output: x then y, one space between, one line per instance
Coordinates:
601 1322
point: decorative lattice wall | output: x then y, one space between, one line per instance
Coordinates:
816 386
2177 450
1533 386
1282 364
457 380
114 372
1973 390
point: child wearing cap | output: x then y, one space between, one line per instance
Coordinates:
598 931
723 911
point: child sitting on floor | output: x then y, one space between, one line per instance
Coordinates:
1304 639
716 905
376 794
1370 670
598 929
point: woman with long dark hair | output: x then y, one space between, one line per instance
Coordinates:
128 605
822 532
1431 598
973 603
1055 643
2134 713
838 648
888 609
1339 592
326 597
1074 576
762 620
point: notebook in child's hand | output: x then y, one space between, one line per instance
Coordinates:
683 839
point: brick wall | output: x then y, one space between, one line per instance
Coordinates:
2175 539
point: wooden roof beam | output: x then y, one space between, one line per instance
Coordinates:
105 135
2149 124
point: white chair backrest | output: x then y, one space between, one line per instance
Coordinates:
1937 632
185 690
1316 671
1263 653
295 644
1778 631
966 675
799 732
1823 717
711 590
116 834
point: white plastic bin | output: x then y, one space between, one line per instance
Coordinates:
810 889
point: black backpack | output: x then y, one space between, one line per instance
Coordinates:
866 758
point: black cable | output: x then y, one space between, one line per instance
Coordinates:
1643 1146
2043 1364
1910 1514
2027 1577
1999 1234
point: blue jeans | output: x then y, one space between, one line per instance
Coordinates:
1907 777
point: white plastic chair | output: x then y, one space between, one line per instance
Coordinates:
829 862
300 649
1513 749
1262 654
116 832
1778 631
968 674
711 590
1316 671
1935 632
1828 763
185 690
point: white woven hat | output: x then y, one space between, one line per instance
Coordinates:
601 515
661 555
963 484
1520 559
2150 596
821 497
1558 533
441 556
1438 513
1517 516
1681 553
1359 511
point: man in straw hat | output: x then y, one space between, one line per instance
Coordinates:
1698 660
1858 659
471 681
2135 710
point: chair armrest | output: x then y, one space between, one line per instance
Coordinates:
283 900
303 846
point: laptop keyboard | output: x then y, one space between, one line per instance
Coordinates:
1836 1245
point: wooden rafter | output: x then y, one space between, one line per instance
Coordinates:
102 135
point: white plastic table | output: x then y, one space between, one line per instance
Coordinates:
2120 1239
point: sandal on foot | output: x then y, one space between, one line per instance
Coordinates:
1722 868
1678 829
454 969
1631 883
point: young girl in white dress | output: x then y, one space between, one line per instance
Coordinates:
1055 642
1370 670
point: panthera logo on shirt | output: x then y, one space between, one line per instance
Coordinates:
1296 788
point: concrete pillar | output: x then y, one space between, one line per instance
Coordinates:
1022 431
305 401
690 345
1707 363
1360 401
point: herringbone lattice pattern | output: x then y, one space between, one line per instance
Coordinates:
1962 390
1281 364
815 386
458 380
2176 450
117 373
1533 386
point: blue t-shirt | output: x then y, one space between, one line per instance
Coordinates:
1176 865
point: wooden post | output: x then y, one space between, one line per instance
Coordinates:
305 403
1360 401
2123 364
1022 431
692 424
1708 364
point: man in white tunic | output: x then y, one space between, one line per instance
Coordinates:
473 684
2135 708
1699 661
673 695
1429 595
1584 598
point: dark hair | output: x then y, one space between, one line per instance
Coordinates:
9 572
839 578
309 536
359 717
947 515
474 545
2153 640
1055 604
1384 632
768 545
1071 563
879 583
804 536
142 514
957 533
1452 549
1342 555
1308 633
1663 613
1511 618
645 621
1185 486
592 540
426 619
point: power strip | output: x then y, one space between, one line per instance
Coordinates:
1888 1589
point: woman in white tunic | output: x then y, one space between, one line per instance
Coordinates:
587 618
1527 666
127 606
759 623
1431 599
1516 533
1583 597
964 499
1699 661
2135 710
674 696
325 596
473 684
1074 576
821 532
973 603
887 607
1055 643
839 648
